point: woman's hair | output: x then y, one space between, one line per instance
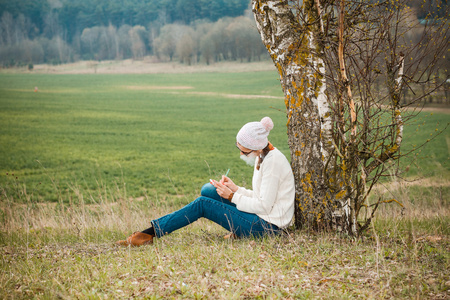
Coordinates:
265 151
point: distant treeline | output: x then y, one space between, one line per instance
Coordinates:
60 31
226 39
190 31
71 17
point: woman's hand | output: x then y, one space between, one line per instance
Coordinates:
229 183
221 189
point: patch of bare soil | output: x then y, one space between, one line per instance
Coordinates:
232 96
142 87
442 109
425 182
145 66
176 89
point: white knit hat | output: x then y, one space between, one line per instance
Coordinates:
253 135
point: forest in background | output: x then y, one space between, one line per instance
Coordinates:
188 31
61 31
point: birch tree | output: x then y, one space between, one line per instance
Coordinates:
343 132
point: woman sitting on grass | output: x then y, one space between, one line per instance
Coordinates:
267 209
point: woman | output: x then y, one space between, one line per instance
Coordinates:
268 208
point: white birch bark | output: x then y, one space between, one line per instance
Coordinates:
322 101
324 111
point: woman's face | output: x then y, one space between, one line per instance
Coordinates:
248 155
244 151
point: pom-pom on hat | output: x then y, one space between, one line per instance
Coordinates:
253 135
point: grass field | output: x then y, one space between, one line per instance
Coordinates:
90 158
162 134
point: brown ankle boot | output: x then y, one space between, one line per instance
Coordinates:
137 239
231 236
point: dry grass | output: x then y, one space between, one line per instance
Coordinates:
146 66
68 251
424 198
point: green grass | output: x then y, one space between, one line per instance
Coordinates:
89 159
433 159
91 131
149 134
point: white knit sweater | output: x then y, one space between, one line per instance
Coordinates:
273 194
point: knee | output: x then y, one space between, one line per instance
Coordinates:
208 190
201 203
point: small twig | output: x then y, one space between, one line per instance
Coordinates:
280 110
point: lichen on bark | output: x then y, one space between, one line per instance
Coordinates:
293 47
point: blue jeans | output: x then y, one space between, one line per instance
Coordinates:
221 211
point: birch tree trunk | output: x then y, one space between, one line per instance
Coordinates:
297 53
344 130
